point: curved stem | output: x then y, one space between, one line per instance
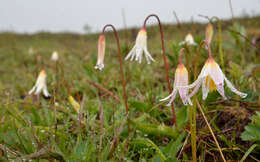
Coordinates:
165 61
180 54
209 50
197 59
121 70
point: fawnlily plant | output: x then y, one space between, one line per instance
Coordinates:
100 63
212 78
188 40
180 79
40 85
141 45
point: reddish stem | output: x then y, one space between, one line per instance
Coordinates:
180 54
209 50
165 61
121 70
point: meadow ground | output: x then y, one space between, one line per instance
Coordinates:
38 128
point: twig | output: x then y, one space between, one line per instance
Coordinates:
44 153
185 142
104 90
179 24
231 10
214 137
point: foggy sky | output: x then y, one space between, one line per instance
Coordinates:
71 15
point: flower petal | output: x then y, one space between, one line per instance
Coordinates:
32 90
131 53
233 89
45 92
220 89
172 94
195 90
205 88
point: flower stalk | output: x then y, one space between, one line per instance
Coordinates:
165 61
121 70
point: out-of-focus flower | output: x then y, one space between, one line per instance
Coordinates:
40 85
55 56
188 40
31 51
139 48
101 52
74 103
212 78
181 79
209 33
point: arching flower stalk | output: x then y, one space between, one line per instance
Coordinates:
212 78
100 63
188 40
209 33
40 85
141 42
180 79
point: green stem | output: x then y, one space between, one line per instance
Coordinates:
220 50
193 133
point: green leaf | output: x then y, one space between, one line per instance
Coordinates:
149 143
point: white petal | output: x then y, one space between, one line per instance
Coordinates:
130 53
166 98
182 43
148 55
31 91
233 89
195 90
172 98
205 89
38 89
220 89
45 92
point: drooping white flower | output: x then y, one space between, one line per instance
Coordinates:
101 52
188 40
139 48
31 51
55 56
212 78
40 85
181 79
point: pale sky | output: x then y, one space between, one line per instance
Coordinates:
71 15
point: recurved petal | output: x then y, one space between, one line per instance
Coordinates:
233 89
32 90
172 94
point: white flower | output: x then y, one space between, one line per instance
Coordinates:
55 56
139 48
31 51
181 79
101 52
188 40
40 85
212 78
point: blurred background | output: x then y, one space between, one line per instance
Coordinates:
83 16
